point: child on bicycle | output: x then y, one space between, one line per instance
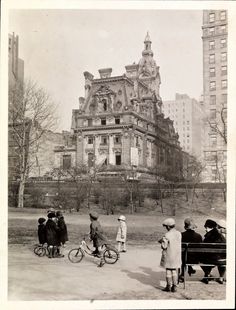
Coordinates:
97 236
42 230
121 234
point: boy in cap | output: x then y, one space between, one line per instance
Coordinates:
189 235
171 246
97 236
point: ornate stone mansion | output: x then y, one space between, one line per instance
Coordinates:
120 124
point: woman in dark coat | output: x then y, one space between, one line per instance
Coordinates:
52 235
62 232
212 236
42 230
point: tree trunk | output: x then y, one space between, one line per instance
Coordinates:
21 192
186 192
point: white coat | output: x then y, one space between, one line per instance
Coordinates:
171 244
122 232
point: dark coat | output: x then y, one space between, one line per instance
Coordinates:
52 233
42 233
213 236
191 236
96 234
62 232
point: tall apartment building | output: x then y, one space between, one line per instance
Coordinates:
214 37
187 115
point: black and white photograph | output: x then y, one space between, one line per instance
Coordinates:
118 154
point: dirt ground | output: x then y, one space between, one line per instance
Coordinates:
136 275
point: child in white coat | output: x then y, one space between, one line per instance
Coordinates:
171 254
121 234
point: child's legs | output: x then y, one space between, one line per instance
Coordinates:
168 277
101 250
174 276
119 246
124 246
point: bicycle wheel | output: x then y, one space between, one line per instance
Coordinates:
40 251
110 256
75 255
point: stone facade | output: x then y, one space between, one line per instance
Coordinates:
120 124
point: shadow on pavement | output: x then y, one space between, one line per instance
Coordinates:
147 276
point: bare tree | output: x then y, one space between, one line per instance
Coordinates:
218 122
31 114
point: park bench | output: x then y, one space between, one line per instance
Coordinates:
199 249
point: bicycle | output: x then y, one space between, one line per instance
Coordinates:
41 249
110 254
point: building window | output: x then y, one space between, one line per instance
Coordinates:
187 122
117 139
223 15
117 120
211 45
66 162
224 98
211 17
212 113
211 31
224 84
90 140
187 135
223 43
104 140
213 99
103 121
118 159
104 104
212 72
90 122
213 140
223 28
212 58
223 70
212 85
223 56
137 142
90 160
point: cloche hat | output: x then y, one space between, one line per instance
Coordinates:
210 224
169 222
221 223
41 220
94 215
121 218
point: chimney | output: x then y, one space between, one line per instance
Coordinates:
105 73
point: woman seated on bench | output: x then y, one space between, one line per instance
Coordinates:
212 236
189 235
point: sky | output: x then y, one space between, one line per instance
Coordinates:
57 46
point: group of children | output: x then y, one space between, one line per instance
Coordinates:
53 231
172 258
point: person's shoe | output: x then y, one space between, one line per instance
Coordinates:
123 251
95 252
101 264
220 281
167 289
181 279
173 288
205 280
191 271
60 255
